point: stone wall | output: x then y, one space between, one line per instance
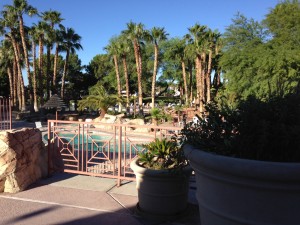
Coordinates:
23 159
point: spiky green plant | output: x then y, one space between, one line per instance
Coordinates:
162 154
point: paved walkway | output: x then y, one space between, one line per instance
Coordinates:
68 199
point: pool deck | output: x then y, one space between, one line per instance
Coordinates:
69 199
76 199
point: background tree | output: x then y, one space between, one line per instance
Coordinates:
135 33
197 36
70 43
155 36
261 60
114 51
9 24
52 18
124 50
19 8
98 99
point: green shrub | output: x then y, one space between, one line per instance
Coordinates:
268 131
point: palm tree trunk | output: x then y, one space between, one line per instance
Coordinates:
190 67
199 83
10 78
21 95
118 80
54 86
22 33
34 83
140 94
154 74
126 83
184 82
203 84
208 77
139 75
15 78
102 113
64 75
48 71
41 51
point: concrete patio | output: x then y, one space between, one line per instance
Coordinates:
76 199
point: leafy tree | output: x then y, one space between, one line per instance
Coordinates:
262 60
98 99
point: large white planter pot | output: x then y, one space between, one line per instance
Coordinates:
162 194
233 191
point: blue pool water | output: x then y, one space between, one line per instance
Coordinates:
93 142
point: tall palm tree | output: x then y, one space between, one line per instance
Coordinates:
70 43
135 32
34 39
178 51
6 61
113 50
40 32
197 37
52 18
212 38
124 49
10 23
58 41
21 7
155 35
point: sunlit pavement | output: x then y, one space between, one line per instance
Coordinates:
77 199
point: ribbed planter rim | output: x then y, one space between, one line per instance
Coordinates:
150 172
279 171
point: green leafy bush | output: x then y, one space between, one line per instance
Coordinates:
268 131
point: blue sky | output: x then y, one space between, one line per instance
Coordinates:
96 21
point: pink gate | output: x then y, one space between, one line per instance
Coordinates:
5 113
99 149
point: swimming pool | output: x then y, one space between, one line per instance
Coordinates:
94 142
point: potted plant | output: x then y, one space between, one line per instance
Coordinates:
247 162
162 177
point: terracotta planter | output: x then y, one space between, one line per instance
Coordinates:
162 194
233 191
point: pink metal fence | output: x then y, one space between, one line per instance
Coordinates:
99 149
5 114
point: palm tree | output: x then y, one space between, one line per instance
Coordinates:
124 49
6 62
9 22
197 37
155 36
113 50
40 31
58 41
21 7
51 18
212 38
98 99
70 43
135 32
178 51
34 40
